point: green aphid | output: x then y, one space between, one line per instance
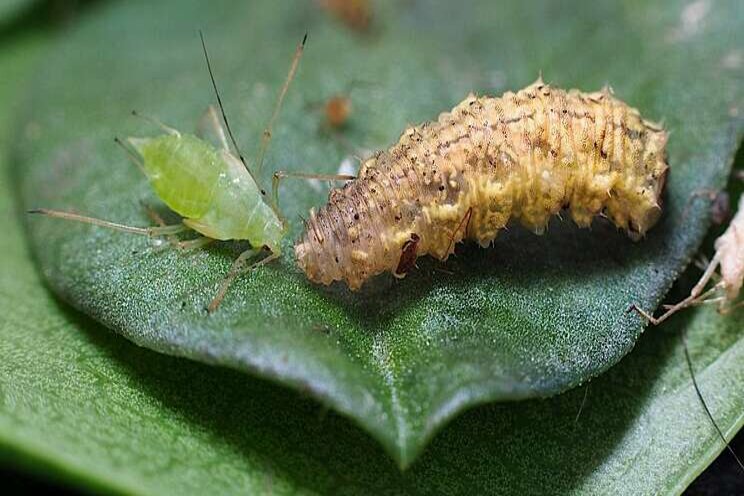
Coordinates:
212 188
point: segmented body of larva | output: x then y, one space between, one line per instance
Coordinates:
524 156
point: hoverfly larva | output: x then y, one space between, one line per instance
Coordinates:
525 156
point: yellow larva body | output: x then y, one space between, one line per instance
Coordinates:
525 156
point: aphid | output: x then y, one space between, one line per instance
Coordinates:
724 292
212 188
525 155
356 14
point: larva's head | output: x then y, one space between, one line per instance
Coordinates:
639 194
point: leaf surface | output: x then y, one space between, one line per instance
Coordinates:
530 317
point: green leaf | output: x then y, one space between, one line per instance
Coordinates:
81 403
10 8
531 316
84 404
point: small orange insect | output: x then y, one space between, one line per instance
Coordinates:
356 14
525 155
337 111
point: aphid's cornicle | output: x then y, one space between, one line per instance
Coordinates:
525 155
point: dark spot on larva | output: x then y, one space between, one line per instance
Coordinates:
263 192
565 111
336 258
603 153
356 216
441 187
408 255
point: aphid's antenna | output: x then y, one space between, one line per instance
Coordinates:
130 153
222 108
705 405
145 231
266 137
158 123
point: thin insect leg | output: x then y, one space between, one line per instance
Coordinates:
210 122
188 245
157 122
230 277
467 216
266 136
133 156
236 270
687 302
156 218
145 231
279 175
702 401
704 301
707 275
695 295
194 244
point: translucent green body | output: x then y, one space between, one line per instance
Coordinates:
210 188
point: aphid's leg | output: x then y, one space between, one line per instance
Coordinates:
156 218
238 268
188 245
210 126
145 231
157 122
266 136
468 215
133 156
279 175
194 244
696 295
